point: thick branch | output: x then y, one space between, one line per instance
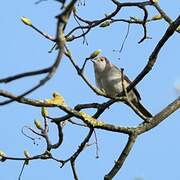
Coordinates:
122 158
159 117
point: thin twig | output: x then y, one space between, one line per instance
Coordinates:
125 38
164 15
96 143
153 57
25 74
84 37
22 169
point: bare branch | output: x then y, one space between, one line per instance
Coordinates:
153 57
90 122
72 159
122 157
74 170
25 74
159 117
61 24
22 169
163 14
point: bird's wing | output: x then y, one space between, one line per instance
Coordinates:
98 82
134 89
128 81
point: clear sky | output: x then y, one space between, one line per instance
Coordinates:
156 153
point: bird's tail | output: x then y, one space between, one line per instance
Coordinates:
142 110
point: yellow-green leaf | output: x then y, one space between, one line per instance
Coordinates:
178 28
95 54
38 123
70 38
44 111
157 17
26 21
154 1
91 120
56 100
26 154
105 24
2 154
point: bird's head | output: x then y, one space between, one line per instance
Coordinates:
100 64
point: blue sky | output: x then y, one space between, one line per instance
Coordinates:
155 154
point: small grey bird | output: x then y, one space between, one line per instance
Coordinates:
109 78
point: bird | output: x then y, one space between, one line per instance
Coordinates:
108 78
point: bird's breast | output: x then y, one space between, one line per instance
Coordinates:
111 85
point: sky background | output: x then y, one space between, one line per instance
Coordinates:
154 156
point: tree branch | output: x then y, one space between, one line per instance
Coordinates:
122 157
153 57
159 117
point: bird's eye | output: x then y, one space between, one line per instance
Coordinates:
101 60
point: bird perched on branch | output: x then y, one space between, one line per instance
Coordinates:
109 79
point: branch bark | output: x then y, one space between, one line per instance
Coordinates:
122 157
